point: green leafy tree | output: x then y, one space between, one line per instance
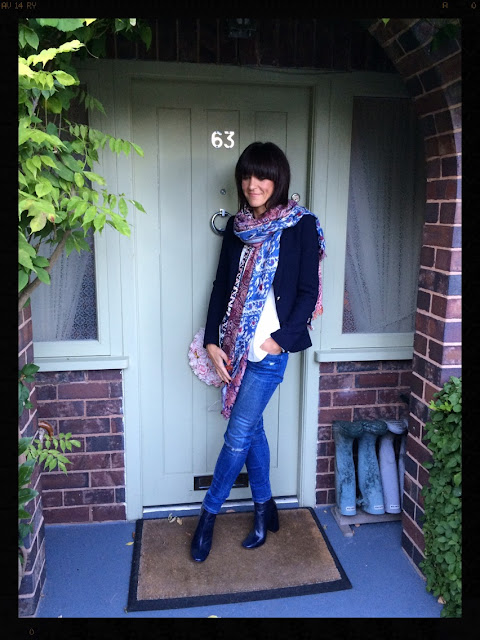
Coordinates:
58 204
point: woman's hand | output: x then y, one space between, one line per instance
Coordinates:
270 346
219 358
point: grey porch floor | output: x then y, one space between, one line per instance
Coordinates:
88 571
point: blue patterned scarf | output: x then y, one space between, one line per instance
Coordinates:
255 275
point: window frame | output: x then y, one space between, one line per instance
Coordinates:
335 345
107 351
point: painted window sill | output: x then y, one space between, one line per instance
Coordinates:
82 363
365 354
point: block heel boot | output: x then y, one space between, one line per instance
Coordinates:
266 518
202 539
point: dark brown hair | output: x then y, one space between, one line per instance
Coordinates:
264 160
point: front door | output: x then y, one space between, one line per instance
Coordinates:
192 135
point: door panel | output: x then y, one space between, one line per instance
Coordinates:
185 177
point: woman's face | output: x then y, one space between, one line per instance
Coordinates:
257 191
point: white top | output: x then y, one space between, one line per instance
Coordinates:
267 324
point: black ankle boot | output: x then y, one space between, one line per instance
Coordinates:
202 539
266 517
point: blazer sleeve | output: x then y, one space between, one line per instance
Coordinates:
303 307
221 290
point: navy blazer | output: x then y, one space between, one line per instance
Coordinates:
295 283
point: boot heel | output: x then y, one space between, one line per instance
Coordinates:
202 539
273 524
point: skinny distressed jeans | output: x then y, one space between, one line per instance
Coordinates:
245 441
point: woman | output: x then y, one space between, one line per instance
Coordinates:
266 291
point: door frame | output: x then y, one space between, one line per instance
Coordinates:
110 81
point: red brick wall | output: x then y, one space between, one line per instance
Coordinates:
434 82
35 568
89 405
356 391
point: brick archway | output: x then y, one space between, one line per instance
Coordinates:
433 80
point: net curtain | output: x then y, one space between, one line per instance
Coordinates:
385 216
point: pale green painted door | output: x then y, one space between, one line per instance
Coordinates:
192 135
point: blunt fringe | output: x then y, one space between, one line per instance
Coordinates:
264 160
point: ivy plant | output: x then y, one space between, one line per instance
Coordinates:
442 526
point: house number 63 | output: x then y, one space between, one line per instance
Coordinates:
217 140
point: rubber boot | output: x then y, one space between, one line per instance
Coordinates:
266 518
202 539
369 480
344 434
388 466
401 460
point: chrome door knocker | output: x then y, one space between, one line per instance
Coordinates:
223 213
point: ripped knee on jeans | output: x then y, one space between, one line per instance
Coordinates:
235 449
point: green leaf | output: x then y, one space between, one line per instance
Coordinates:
80 242
47 22
21 36
22 279
40 261
99 106
64 78
70 24
78 179
31 167
23 514
70 162
120 225
122 206
43 187
38 221
25 471
138 205
54 105
94 177
138 149
25 495
90 214
43 275
46 160
24 259
69 245
30 369
63 172
99 222
146 35
32 38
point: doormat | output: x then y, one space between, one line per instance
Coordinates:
297 560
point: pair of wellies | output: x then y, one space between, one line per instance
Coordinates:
266 519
